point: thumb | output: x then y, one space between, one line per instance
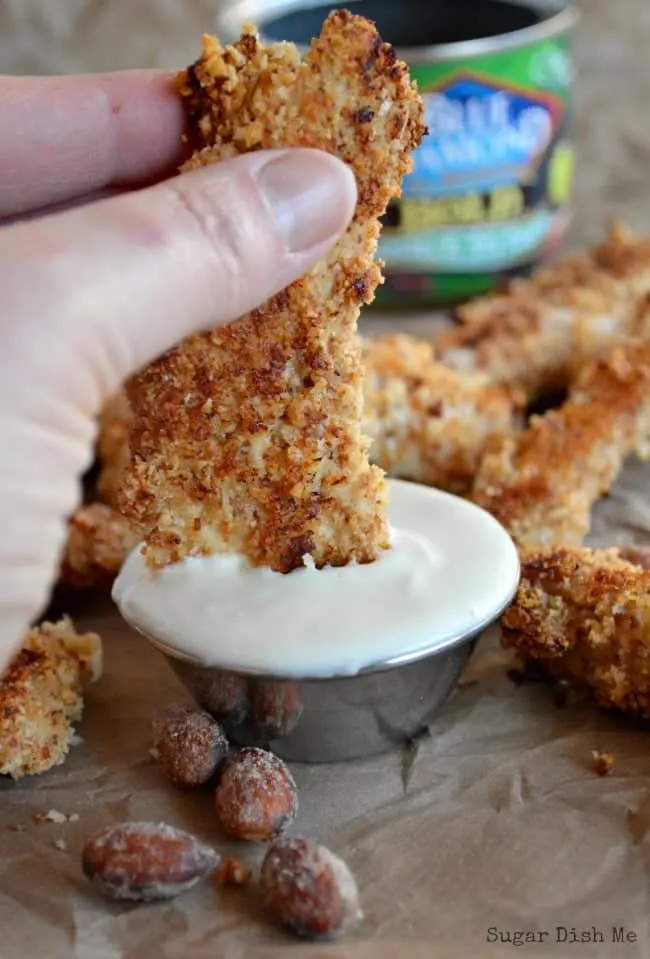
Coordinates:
124 279
90 295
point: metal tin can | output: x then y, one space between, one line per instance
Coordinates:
490 194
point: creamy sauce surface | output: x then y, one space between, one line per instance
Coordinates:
450 570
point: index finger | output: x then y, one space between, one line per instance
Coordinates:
63 137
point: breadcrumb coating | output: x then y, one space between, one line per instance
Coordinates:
428 423
248 439
542 331
583 615
99 540
113 427
41 696
542 484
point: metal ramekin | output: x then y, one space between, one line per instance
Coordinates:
328 720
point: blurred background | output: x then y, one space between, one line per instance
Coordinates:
612 116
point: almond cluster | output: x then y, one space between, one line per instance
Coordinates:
311 891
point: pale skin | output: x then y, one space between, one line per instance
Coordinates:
107 258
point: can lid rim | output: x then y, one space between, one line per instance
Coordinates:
234 15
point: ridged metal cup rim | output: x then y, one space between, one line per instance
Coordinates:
395 662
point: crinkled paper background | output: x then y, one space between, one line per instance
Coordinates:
497 818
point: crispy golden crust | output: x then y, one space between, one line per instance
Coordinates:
99 540
113 447
41 696
428 423
584 616
248 438
543 483
543 330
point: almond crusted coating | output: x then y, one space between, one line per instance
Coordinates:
248 439
41 696
540 333
543 484
584 615
99 541
428 423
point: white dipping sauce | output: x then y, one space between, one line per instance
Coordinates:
450 571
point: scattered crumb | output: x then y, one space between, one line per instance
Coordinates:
60 844
17 827
55 816
76 740
233 872
603 762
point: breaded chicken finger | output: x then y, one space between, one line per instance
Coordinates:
248 439
99 540
583 615
540 333
543 483
41 696
428 423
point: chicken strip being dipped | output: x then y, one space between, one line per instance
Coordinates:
583 616
539 334
543 484
248 439
428 423
41 696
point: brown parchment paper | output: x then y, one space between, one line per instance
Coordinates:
496 820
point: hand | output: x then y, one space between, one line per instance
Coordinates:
90 294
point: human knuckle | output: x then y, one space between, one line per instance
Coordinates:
222 221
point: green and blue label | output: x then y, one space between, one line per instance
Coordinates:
491 185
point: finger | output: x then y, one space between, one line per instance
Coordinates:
84 200
122 280
61 137
92 294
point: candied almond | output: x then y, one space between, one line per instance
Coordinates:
224 695
256 798
189 744
275 708
146 861
311 890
